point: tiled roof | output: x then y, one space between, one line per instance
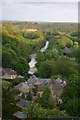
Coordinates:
39 80
23 103
58 80
20 115
9 71
31 80
66 50
22 84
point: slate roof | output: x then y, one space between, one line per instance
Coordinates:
8 71
58 80
57 88
22 84
23 103
20 115
66 50
41 81
31 80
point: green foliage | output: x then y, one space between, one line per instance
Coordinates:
18 45
23 96
75 52
8 102
5 84
45 98
39 57
15 52
31 35
64 66
71 89
64 41
72 107
34 111
71 96
74 34
34 90
29 96
6 58
56 76
22 66
47 67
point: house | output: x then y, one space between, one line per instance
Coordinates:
7 73
22 103
19 116
31 82
39 83
66 51
30 30
22 87
57 87
59 81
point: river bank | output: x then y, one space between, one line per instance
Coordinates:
33 61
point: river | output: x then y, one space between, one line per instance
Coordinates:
33 57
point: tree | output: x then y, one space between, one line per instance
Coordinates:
22 66
23 96
64 66
72 107
8 101
34 90
34 111
6 58
64 41
45 69
55 53
29 96
46 97
71 96
39 57
48 55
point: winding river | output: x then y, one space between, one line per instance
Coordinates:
33 56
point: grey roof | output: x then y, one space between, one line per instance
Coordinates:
23 103
41 87
9 71
20 115
42 81
66 50
19 85
48 80
22 84
58 80
57 88
31 80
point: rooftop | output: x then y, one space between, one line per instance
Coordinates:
20 115
23 103
22 84
38 80
58 80
8 71
66 50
